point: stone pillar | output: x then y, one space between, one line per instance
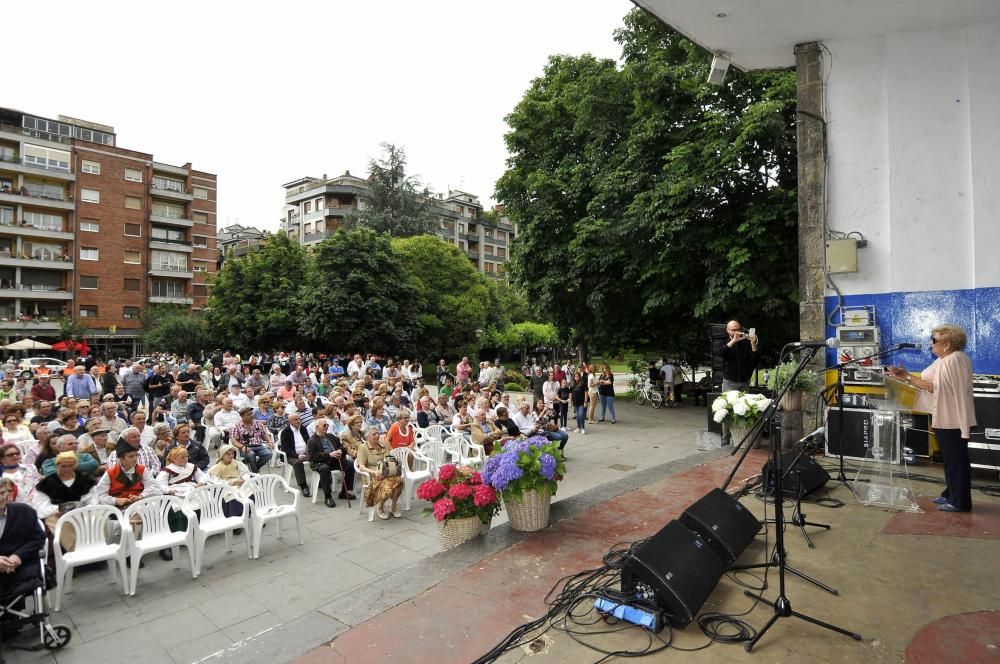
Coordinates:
810 136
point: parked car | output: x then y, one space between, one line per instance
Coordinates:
28 367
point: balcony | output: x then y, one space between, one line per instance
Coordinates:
474 255
171 299
317 237
313 216
342 211
469 236
173 271
34 291
10 196
495 241
14 132
44 263
27 230
22 165
29 324
170 220
171 245
169 191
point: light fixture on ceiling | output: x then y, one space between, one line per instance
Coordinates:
720 65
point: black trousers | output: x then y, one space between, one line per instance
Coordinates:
299 470
957 468
325 471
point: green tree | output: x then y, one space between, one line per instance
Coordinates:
358 296
649 202
253 302
394 203
72 331
451 297
178 333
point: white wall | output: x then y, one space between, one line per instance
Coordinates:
914 149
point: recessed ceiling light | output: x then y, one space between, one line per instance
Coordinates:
721 15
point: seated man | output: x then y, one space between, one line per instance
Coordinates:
486 433
252 439
293 442
326 454
21 540
61 492
126 481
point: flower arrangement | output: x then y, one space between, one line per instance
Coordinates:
459 492
739 409
522 465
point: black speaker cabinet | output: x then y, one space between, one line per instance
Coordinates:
914 432
718 338
713 426
984 441
859 433
723 522
804 477
676 569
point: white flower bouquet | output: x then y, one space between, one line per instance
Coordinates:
739 409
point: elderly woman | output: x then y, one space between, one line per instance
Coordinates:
401 434
86 463
14 429
378 419
380 488
24 477
41 450
64 490
948 381
162 438
229 470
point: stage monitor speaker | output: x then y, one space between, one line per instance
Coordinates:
803 478
676 569
723 522
859 433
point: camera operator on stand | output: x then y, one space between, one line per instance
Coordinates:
739 356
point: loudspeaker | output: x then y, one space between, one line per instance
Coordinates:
676 569
859 433
723 522
713 426
914 432
804 477
718 338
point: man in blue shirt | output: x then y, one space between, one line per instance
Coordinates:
81 385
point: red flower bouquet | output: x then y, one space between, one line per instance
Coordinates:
459 493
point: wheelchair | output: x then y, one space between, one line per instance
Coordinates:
14 614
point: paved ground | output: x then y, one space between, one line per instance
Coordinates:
294 597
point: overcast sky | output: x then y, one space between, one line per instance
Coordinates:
263 96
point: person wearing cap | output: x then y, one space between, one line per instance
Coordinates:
62 491
252 439
43 390
127 480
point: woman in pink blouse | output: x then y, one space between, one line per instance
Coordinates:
949 381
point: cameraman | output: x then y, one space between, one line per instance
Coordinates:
739 357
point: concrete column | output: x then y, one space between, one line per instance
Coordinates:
810 136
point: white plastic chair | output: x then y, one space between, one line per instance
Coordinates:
265 508
437 432
465 452
90 524
336 481
156 534
208 500
365 481
213 434
437 453
412 478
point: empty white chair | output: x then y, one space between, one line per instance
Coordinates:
420 473
336 481
90 524
437 452
437 431
208 500
262 490
213 434
156 535
365 479
465 452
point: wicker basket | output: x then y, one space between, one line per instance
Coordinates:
530 513
455 531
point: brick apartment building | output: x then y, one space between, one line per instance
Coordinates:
96 232
316 207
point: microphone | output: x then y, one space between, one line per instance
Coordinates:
818 432
832 342
913 346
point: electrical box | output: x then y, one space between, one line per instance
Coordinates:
841 256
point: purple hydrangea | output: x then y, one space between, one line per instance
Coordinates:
537 441
504 471
548 464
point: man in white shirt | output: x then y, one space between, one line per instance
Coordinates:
525 419
226 418
146 434
239 399
356 367
292 441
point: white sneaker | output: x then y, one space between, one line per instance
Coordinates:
562 428
576 431
583 431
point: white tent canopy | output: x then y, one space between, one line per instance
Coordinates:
27 344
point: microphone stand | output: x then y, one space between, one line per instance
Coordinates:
782 606
798 516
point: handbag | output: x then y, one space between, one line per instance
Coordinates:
390 466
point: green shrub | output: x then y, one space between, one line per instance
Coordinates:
513 387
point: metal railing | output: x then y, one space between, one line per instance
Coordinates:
163 267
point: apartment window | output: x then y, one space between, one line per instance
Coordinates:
168 184
88 283
90 196
89 254
133 257
488 268
308 229
131 285
6 216
167 289
168 234
42 251
488 248
90 225
91 167
200 290
169 260
501 235
133 175
199 217
130 313
133 202
167 210
43 221
200 192
133 230
53 160
501 252
308 207
200 241
88 312
54 192
198 267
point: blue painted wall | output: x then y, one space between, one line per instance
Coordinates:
910 317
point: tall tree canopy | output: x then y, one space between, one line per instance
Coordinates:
253 302
394 203
651 203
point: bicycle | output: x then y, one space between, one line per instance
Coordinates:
645 392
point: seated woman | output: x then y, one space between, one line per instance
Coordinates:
24 477
230 471
380 488
41 451
505 423
378 419
401 434
427 413
64 490
547 425
14 429
351 437
67 443
462 422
